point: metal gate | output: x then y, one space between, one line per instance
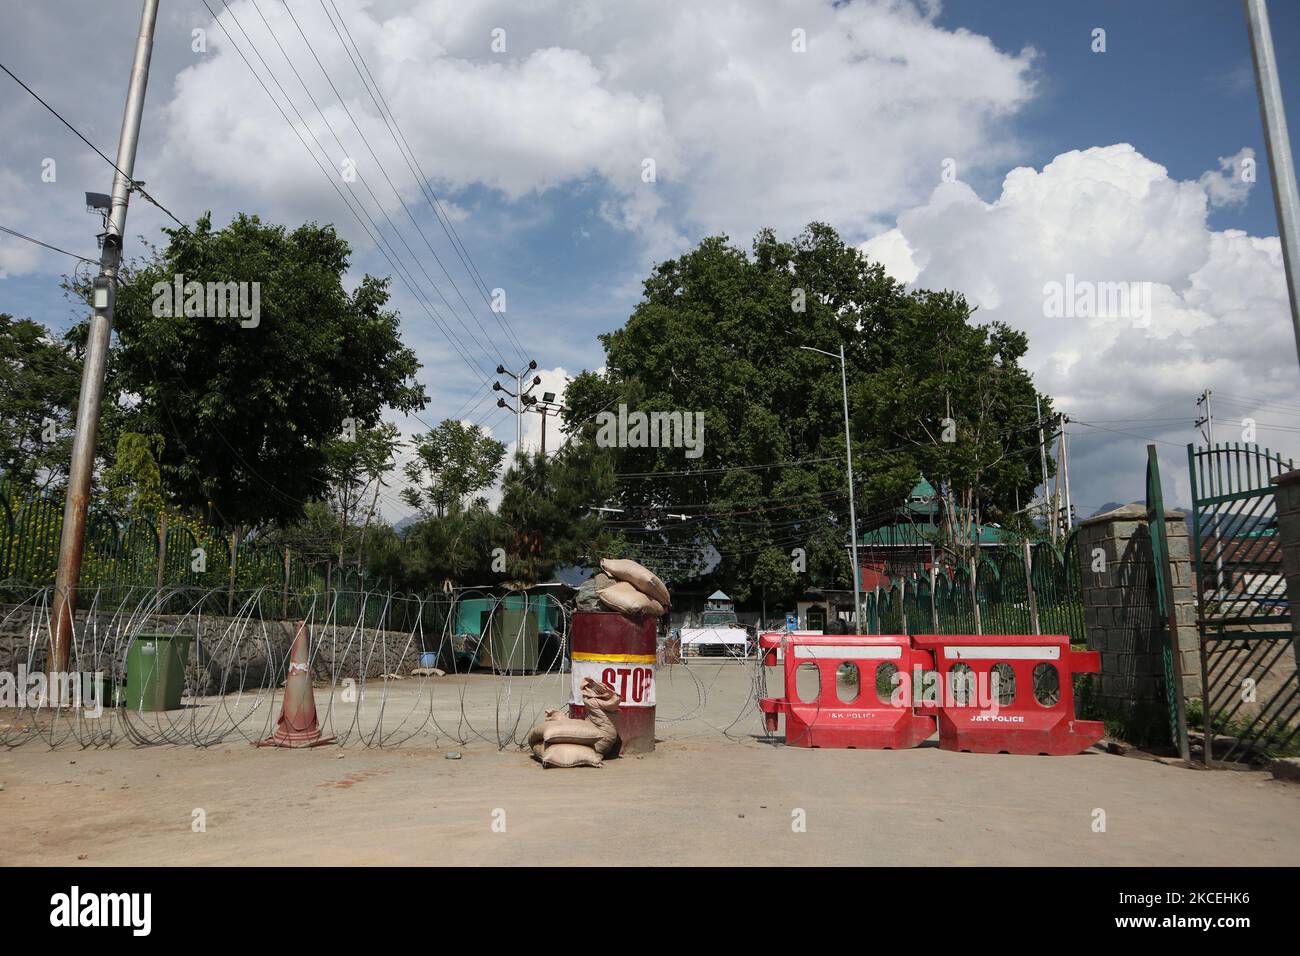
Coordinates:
1251 705
1166 617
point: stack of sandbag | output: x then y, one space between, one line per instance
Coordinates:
561 741
601 704
635 589
588 598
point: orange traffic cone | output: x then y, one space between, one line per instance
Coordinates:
297 726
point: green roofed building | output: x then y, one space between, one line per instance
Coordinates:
904 547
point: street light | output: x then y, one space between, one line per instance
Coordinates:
853 516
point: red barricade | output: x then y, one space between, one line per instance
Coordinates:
878 713
1032 709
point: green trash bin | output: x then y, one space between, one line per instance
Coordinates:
155 671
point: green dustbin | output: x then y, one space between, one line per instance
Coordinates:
155 671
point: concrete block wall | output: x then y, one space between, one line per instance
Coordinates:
1287 503
1123 622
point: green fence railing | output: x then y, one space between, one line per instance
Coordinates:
999 602
127 553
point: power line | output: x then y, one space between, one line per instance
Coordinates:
38 242
384 172
1115 431
435 204
376 237
135 184
724 470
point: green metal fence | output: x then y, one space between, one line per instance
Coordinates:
123 554
1002 600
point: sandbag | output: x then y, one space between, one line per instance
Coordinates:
571 732
624 597
536 736
570 755
601 705
588 593
639 576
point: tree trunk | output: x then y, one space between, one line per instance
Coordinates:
361 541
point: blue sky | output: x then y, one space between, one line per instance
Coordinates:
1175 81
538 148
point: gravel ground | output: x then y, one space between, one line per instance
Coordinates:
714 792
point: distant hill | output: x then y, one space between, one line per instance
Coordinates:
1112 505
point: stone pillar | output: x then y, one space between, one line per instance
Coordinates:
1287 502
1124 623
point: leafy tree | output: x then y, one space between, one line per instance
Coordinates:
547 516
39 383
357 466
720 332
247 403
134 481
452 463
971 409
454 547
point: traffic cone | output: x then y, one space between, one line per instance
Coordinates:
297 726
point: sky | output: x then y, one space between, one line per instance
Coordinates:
987 146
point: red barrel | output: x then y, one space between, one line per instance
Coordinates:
619 652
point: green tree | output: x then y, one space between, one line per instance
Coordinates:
39 382
452 463
547 512
455 547
248 403
719 332
967 410
357 466
134 481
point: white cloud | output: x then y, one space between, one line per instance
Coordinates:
744 130
1230 184
1219 315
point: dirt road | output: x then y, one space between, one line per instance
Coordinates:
702 798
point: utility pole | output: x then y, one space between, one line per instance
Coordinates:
1061 502
521 397
853 516
1206 424
1281 168
1042 449
104 296
547 407
1065 466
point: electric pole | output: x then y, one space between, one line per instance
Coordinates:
1042 449
521 397
1062 518
104 296
547 407
1281 168
1065 466
1206 424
